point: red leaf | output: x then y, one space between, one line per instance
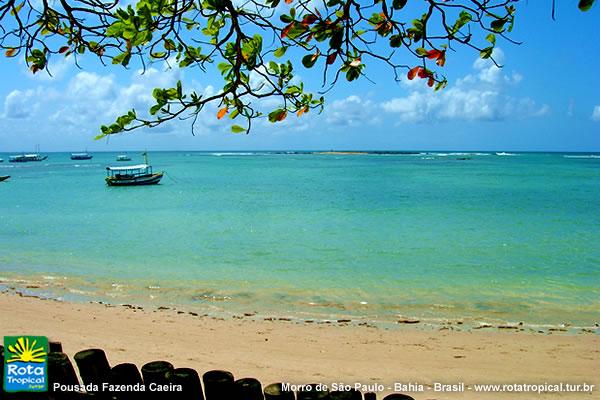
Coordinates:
413 72
430 82
441 61
10 52
282 116
423 73
286 30
288 1
331 58
302 111
222 112
434 54
63 49
309 19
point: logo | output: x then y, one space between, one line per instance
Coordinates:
25 364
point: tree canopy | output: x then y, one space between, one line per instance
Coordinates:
257 46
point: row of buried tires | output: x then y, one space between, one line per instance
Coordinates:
94 370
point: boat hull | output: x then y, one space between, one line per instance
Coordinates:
27 159
81 157
151 179
4 177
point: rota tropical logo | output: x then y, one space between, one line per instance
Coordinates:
25 364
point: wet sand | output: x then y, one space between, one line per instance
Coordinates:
299 352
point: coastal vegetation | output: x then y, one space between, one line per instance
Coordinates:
256 46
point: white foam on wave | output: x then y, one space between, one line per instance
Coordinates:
584 156
451 154
502 153
52 278
233 154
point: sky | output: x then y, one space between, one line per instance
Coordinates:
544 98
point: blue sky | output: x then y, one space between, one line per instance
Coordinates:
544 98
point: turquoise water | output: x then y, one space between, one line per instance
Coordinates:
373 237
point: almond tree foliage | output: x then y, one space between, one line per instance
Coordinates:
255 45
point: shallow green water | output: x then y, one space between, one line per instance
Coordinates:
507 238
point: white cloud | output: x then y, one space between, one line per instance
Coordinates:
351 111
19 104
479 96
596 114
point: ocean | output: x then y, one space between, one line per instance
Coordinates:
434 236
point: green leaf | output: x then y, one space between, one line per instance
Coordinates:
280 52
286 18
155 108
237 129
169 44
399 4
486 53
122 59
586 5
277 115
491 38
115 30
395 41
224 67
498 25
310 59
352 74
336 39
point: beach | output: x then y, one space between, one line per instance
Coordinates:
287 351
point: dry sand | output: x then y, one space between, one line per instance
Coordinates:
274 351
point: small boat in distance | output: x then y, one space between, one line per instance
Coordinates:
27 157
123 157
81 156
132 175
4 177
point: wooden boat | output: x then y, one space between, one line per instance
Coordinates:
4 177
81 156
132 175
123 157
27 157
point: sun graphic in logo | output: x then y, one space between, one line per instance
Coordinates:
25 351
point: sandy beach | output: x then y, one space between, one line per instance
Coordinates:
293 352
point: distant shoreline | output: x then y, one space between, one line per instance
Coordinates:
311 151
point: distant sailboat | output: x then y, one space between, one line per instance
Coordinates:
28 157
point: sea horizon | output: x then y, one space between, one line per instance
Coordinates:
300 151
